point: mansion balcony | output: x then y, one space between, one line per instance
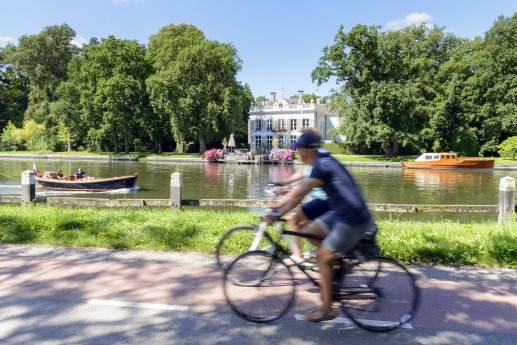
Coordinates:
279 129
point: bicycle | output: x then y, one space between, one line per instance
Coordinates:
377 293
246 238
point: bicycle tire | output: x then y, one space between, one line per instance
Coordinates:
253 293
237 241
383 303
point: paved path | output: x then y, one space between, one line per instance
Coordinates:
44 289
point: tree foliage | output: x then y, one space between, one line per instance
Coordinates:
30 133
195 85
422 87
109 81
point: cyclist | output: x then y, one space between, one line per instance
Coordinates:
303 215
342 226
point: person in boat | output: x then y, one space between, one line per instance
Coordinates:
59 174
80 174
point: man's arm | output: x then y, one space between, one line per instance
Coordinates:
296 195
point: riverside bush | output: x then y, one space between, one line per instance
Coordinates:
199 230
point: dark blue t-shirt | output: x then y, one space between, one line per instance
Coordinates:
344 195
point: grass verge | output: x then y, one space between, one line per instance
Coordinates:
199 230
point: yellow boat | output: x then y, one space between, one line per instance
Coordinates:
449 160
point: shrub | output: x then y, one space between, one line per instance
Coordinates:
465 143
508 148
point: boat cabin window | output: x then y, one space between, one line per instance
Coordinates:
436 156
428 157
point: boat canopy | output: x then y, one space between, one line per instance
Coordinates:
426 157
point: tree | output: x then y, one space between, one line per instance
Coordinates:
13 91
43 58
492 89
67 111
30 133
110 78
194 84
387 83
259 100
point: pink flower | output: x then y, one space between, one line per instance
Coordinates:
281 155
213 154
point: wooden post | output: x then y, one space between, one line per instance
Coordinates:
176 191
28 187
506 198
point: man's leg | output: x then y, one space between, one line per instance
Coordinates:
296 220
325 258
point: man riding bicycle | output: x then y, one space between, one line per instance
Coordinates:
342 226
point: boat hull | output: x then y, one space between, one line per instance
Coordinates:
466 163
93 185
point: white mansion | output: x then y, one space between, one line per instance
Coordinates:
284 119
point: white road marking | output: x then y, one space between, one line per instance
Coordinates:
113 303
347 321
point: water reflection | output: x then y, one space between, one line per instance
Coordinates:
453 186
203 180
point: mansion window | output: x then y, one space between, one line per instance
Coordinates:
269 142
258 141
305 123
293 125
281 123
293 139
281 141
269 125
258 125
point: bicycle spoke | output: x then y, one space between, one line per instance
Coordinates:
379 294
259 287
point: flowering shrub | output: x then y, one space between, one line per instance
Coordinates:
281 155
213 154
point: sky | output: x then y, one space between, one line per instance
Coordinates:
278 41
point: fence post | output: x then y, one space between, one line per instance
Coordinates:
28 187
506 198
176 191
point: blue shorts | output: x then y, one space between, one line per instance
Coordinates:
341 237
315 208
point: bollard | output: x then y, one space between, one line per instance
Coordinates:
176 191
506 198
28 187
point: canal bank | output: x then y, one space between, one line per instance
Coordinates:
380 164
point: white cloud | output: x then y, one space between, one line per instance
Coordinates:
415 18
7 39
79 41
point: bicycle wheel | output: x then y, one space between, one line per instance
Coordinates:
255 294
379 294
240 240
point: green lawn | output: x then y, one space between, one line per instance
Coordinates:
199 230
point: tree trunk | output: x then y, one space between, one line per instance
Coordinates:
396 147
159 148
202 145
69 143
388 150
116 143
126 145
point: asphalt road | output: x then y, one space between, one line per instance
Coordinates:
87 296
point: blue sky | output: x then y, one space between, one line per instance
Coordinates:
279 41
